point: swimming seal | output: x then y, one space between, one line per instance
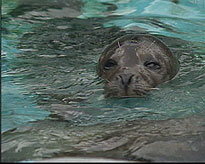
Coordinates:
135 64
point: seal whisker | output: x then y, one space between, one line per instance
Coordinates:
149 48
140 93
141 86
150 45
111 92
154 89
107 80
140 90
119 45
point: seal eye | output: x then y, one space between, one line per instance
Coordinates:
109 64
152 65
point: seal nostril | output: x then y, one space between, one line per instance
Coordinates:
130 79
122 81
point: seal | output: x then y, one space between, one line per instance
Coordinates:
133 65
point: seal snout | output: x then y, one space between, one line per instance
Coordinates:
126 79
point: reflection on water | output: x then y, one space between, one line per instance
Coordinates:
49 57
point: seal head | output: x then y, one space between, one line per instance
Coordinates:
135 64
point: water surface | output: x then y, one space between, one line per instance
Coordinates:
50 51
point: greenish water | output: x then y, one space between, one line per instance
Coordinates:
50 50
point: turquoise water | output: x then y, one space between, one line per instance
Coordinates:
50 50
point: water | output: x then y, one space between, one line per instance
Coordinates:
50 51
